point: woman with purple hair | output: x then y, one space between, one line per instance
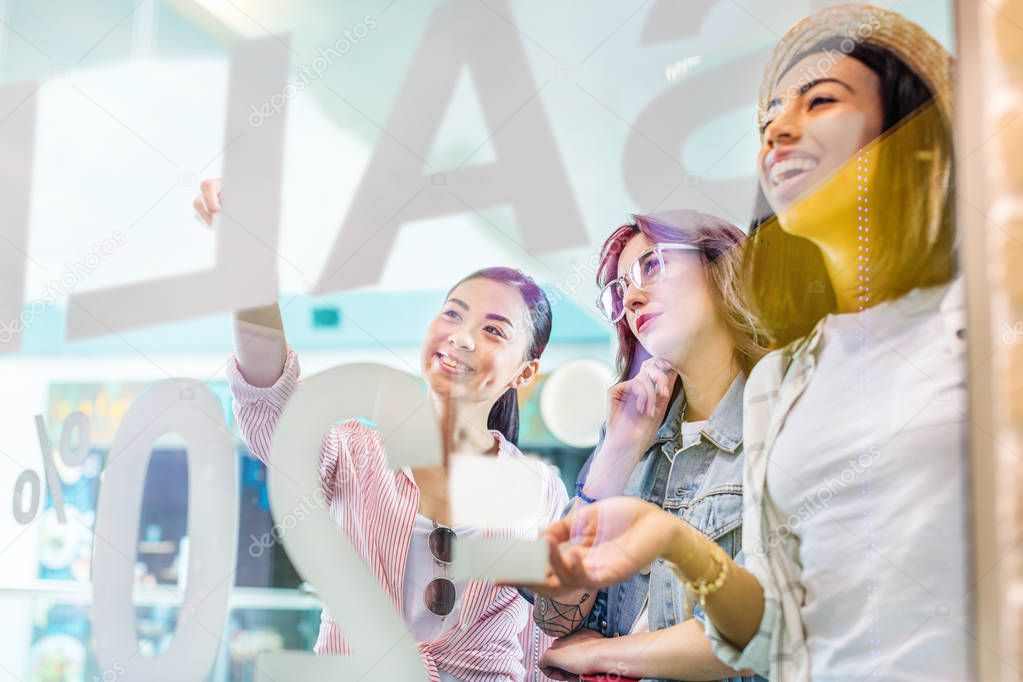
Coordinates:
673 436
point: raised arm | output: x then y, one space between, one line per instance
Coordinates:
256 372
259 344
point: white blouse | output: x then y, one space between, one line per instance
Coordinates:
856 497
870 474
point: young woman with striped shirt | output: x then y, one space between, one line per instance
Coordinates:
484 343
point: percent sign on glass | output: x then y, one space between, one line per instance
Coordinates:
71 457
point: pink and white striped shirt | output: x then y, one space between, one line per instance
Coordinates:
495 638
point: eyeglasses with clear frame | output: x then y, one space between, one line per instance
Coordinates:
647 270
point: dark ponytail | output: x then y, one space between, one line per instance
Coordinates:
504 415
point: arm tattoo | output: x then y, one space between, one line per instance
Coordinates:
558 619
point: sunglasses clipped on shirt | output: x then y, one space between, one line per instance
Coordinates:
647 270
439 595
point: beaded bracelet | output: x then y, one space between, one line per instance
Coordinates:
703 587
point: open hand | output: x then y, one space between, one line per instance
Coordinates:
605 543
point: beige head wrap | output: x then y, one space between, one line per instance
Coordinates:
872 26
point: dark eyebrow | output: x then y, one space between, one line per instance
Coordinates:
489 316
465 306
808 86
499 318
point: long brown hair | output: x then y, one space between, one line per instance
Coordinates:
911 192
720 247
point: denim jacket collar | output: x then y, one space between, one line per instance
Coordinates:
672 424
723 428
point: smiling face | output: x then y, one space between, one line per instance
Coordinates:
475 348
671 315
823 110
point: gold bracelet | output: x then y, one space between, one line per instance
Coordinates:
704 587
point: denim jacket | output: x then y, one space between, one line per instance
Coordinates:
701 484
